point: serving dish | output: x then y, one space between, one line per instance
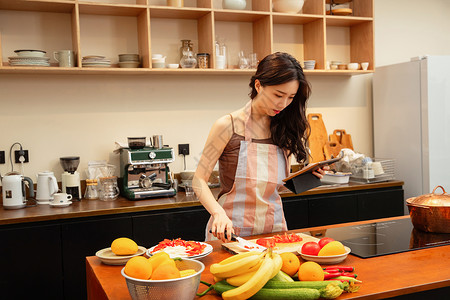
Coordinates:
331 259
172 252
109 258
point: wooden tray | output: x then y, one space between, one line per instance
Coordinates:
234 249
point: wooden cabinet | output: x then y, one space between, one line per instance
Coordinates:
81 238
113 27
334 208
31 259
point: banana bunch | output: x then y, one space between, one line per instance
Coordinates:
248 271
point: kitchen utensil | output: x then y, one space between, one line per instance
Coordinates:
341 137
109 258
340 12
331 149
61 198
65 58
244 244
364 65
70 179
234 4
145 173
46 186
184 288
158 141
331 259
430 212
108 189
317 138
13 190
136 142
175 251
353 66
288 6
30 53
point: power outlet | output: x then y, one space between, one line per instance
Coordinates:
183 149
17 156
2 157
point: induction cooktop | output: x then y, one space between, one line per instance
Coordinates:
383 238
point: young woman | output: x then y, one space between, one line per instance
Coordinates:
253 145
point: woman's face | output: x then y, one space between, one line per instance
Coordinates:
274 98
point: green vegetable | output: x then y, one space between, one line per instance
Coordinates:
331 291
269 294
281 276
305 284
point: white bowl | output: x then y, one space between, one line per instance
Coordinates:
288 6
30 53
332 259
173 66
364 65
156 56
353 66
129 64
234 4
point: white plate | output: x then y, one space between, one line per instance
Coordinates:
332 259
109 258
206 252
65 204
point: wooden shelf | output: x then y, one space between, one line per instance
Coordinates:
310 26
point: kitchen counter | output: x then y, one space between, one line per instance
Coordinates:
89 208
386 276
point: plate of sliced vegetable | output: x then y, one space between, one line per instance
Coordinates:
181 248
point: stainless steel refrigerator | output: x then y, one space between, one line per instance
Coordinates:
411 115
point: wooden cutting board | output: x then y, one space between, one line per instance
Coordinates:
341 137
317 138
331 149
233 247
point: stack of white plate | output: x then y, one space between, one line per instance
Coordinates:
95 61
29 58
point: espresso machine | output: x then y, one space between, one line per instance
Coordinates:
144 172
70 179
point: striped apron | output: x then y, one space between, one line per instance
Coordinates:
253 204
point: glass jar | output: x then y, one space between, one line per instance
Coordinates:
186 45
188 60
203 60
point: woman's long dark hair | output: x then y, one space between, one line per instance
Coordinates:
290 128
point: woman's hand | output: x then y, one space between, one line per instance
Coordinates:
222 223
321 171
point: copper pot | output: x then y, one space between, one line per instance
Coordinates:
430 212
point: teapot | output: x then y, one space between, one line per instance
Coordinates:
13 190
46 186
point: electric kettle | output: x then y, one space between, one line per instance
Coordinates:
46 186
13 190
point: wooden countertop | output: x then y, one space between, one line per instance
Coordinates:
87 208
384 276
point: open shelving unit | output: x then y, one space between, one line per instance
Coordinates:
310 34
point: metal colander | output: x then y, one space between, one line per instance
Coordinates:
184 288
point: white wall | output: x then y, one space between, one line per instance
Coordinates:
54 116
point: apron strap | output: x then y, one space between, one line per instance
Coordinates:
248 121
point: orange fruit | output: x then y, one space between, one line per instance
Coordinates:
138 267
158 258
291 263
310 271
332 248
124 246
165 271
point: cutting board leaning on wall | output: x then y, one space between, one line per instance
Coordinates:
317 138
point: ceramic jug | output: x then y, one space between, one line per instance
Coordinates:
46 187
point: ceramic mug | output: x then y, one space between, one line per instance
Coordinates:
66 58
61 198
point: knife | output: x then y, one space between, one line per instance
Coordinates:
243 243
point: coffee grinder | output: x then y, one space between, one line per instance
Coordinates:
144 171
70 179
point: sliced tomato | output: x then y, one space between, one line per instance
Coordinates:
266 242
192 248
